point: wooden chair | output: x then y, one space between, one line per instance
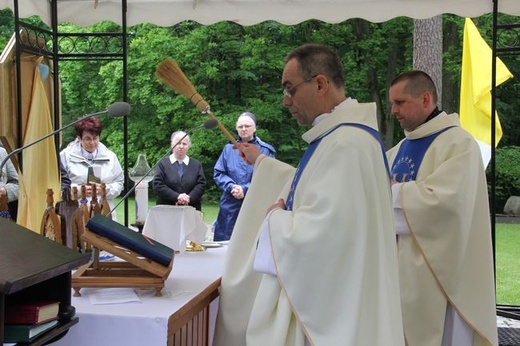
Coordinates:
83 205
51 225
105 207
75 193
95 207
81 217
74 213
72 225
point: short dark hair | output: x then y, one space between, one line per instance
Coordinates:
417 82
92 125
315 59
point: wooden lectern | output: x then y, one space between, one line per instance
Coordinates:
147 263
33 268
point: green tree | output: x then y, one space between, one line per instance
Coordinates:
237 68
6 26
507 177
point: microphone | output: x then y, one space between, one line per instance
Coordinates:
117 109
208 125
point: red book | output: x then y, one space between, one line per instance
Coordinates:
31 312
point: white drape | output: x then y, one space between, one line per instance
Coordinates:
248 12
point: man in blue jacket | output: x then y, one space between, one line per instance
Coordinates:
232 175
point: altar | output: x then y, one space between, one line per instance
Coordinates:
184 315
173 225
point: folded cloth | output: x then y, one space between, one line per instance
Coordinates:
264 262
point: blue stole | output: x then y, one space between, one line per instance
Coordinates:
410 155
312 147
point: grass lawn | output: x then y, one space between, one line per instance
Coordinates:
210 211
507 252
507 256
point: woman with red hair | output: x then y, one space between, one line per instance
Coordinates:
87 160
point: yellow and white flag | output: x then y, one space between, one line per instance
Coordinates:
475 89
40 165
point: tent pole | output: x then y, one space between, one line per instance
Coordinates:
510 311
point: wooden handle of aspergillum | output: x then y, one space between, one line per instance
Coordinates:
171 74
203 106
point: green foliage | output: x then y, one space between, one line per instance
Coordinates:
237 68
507 175
234 68
6 26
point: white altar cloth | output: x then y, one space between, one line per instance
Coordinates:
146 323
172 225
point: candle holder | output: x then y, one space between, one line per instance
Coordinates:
141 174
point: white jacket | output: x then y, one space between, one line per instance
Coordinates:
9 177
105 165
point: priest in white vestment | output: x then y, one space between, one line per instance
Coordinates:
325 271
442 221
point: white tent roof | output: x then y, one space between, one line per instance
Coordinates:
248 12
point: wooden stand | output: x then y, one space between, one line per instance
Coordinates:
137 271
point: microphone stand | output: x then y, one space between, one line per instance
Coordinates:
205 125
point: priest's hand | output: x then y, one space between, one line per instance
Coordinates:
247 151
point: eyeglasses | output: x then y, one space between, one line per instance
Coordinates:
89 139
246 127
289 93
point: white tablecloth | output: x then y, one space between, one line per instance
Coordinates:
146 323
172 225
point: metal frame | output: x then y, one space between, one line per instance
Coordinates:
99 49
507 48
100 40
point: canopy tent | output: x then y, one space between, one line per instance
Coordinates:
244 12
248 12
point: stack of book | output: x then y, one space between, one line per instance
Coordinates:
25 321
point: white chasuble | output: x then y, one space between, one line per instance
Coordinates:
335 252
446 259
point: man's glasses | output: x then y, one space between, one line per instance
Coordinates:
289 93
